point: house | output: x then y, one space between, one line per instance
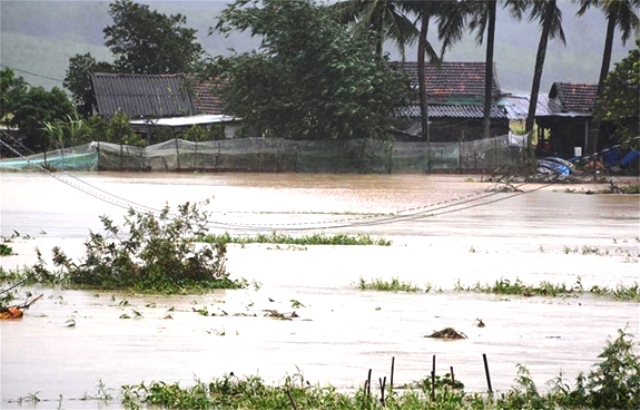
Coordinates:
568 117
167 100
570 112
455 97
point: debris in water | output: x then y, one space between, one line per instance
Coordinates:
448 333
16 312
479 323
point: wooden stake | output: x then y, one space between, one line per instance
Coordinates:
393 362
486 372
383 383
453 378
433 379
293 402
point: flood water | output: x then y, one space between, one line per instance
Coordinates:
444 229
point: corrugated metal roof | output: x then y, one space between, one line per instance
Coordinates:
186 121
518 106
452 111
141 96
450 80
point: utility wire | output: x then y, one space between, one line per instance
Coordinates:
31 73
445 207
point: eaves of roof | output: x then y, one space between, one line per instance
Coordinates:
452 111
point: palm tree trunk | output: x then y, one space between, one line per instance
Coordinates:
379 30
489 68
424 108
537 72
594 129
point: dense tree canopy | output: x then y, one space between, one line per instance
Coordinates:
78 80
620 103
31 109
11 88
142 41
310 80
145 41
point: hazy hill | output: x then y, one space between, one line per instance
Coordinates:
38 38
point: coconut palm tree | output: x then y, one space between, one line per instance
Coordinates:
620 14
481 17
425 11
382 19
550 18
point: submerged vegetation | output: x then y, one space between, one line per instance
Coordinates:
396 285
277 238
612 383
504 286
5 250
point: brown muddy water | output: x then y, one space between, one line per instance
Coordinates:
443 228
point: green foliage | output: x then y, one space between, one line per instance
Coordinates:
34 107
311 79
120 131
620 292
153 254
396 285
204 133
96 128
315 239
66 133
5 250
620 103
148 42
504 286
11 88
613 384
78 80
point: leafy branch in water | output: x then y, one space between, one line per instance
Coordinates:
150 253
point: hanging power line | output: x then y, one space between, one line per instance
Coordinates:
31 73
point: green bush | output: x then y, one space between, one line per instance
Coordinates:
155 253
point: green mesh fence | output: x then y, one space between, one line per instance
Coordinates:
279 155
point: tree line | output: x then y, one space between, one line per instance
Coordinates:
320 71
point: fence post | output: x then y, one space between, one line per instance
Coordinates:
460 156
98 151
195 156
218 156
177 153
121 149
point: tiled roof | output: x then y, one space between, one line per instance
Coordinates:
451 81
204 101
452 111
574 97
141 95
